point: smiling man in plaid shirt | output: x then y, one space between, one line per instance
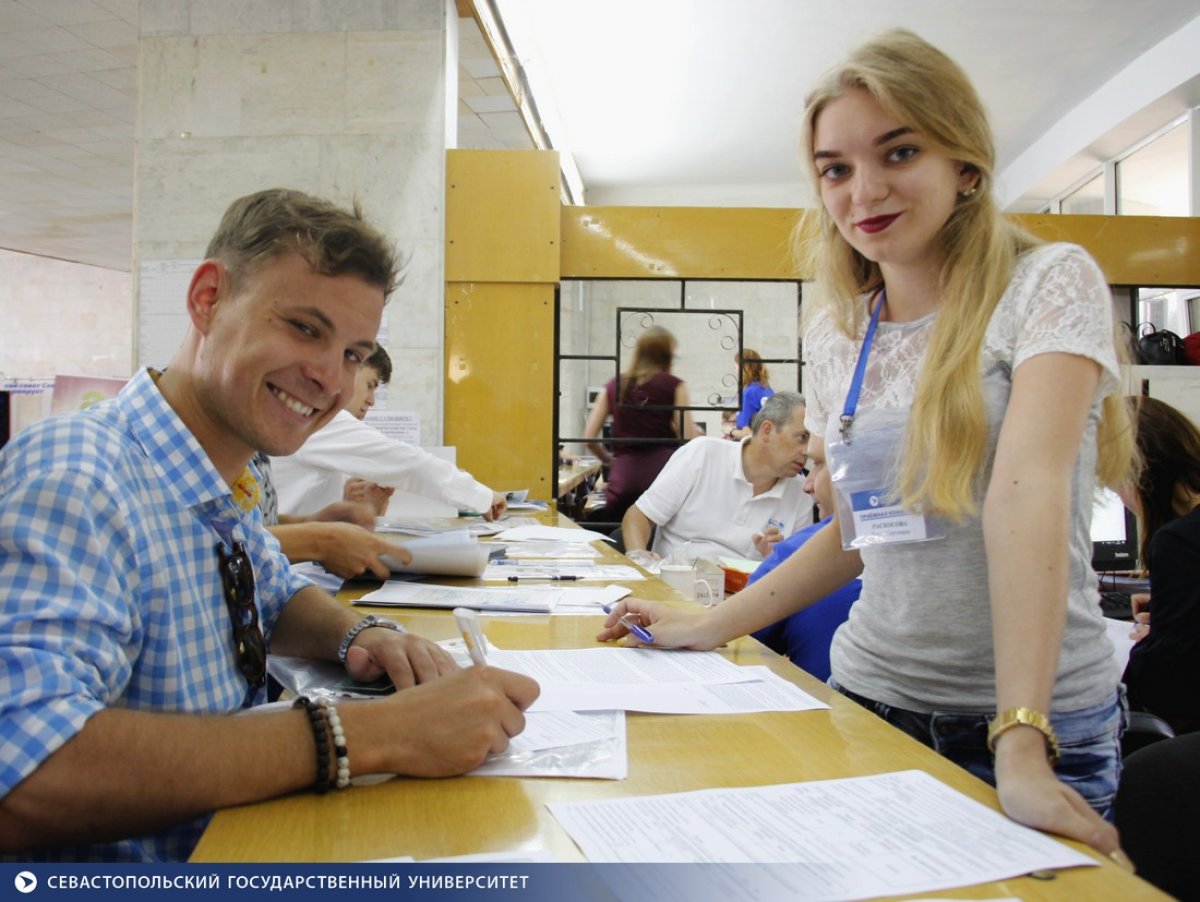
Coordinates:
135 574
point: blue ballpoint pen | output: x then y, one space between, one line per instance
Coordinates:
639 631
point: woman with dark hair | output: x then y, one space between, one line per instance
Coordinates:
756 388
642 404
1163 675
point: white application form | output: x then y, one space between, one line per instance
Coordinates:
889 834
538 600
612 664
564 744
571 569
539 533
651 680
766 691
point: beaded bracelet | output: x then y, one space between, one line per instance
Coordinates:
339 742
316 717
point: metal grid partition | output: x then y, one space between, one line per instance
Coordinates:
711 330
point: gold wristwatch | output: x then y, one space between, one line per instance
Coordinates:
1020 716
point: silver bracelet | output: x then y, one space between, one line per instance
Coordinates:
366 623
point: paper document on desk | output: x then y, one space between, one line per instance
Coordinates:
889 834
519 501
763 692
433 526
564 744
408 595
610 665
550 534
535 600
553 550
456 553
570 570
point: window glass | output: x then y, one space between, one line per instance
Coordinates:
1087 199
1153 180
1167 308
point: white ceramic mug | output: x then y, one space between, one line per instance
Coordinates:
683 579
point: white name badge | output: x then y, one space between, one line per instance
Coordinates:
877 522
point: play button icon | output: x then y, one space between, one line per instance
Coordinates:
25 882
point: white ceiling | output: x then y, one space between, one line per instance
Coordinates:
661 101
698 101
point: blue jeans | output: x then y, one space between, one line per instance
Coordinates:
1089 742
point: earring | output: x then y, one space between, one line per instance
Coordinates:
967 192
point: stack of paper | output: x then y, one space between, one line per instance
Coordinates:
456 553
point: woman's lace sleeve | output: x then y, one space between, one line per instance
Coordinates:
1062 304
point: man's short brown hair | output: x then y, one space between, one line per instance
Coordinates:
259 227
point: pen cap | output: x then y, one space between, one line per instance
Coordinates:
472 632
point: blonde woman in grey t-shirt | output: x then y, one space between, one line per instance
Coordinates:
964 454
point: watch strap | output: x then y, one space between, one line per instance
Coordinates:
1022 716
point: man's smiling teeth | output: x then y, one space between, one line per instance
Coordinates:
293 404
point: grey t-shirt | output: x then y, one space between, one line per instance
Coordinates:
920 635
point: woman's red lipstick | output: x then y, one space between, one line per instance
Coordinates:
877 223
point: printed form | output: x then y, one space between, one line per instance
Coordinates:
889 834
651 680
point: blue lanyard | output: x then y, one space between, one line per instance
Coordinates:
847 418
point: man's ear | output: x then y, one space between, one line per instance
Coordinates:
209 285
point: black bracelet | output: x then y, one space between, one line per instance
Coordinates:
316 718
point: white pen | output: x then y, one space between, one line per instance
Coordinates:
472 633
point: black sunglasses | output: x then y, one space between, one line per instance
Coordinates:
237 576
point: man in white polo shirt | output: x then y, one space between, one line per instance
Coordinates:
729 499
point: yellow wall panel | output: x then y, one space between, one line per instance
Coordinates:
500 383
677 242
755 243
1145 251
502 220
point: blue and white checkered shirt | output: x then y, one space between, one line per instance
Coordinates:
110 591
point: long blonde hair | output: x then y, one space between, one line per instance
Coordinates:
943 459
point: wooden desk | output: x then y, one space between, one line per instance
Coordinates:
574 484
435 818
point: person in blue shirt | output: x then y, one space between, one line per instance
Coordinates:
806 635
140 593
756 388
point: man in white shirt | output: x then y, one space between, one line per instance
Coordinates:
315 476
726 499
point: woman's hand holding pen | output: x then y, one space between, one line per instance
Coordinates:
668 627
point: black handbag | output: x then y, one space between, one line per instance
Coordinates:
1159 347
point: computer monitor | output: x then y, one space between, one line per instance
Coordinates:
1114 534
